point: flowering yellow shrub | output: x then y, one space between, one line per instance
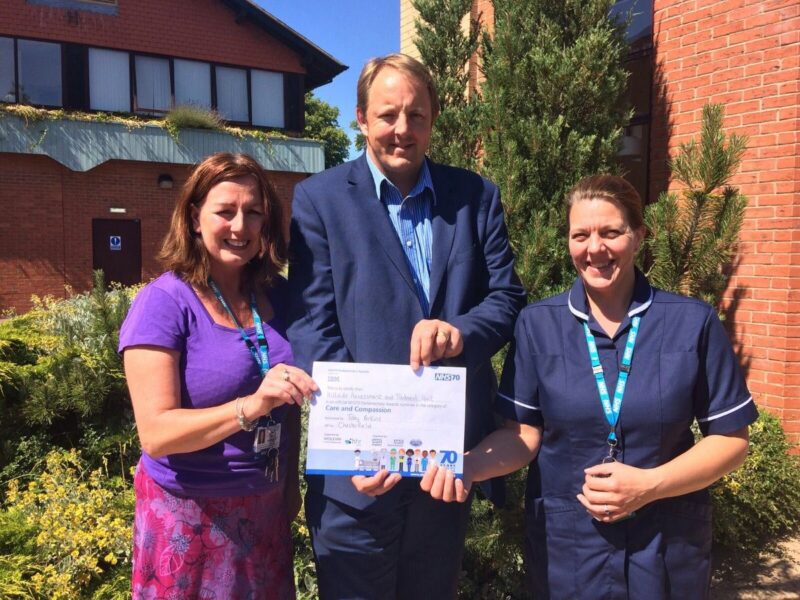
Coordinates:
83 522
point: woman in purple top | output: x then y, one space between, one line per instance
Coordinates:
215 396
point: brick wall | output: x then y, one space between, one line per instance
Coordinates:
197 29
46 229
746 55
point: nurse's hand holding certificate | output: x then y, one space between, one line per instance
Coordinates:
368 417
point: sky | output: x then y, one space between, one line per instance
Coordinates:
352 31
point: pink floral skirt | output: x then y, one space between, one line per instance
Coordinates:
211 548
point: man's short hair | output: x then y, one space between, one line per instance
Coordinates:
403 63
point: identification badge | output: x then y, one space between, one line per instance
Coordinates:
268 437
266 444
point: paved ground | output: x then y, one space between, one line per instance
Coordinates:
774 578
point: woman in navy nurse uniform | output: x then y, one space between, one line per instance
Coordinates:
601 386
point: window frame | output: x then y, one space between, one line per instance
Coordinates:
215 99
283 99
211 79
152 112
89 84
16 71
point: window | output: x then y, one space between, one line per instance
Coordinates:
153 92
109 80
39 67
267 98
8 86
640 13
77 77
192 83
232 94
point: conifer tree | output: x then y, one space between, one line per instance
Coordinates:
554 112
445 48
692 238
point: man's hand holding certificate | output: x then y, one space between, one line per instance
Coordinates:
369 417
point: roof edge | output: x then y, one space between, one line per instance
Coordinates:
321 67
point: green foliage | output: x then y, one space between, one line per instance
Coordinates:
322 124
694 237
305 572
82 370
360 141
63 378
554 112
445 49
16 572
759 502
493 565
185 116
188 116
65 530
25 454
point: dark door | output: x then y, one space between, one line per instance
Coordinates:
117 249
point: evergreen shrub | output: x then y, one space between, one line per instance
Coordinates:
62 381
553 111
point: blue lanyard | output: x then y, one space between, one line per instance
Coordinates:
612 410
260 355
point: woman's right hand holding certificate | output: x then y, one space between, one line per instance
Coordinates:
283 384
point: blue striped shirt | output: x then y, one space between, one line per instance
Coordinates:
411 219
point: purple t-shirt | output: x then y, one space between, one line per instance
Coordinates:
215 367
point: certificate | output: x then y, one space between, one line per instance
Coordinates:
368 417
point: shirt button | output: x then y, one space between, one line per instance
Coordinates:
409 243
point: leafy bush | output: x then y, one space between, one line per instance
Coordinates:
62 380
70 525
759 502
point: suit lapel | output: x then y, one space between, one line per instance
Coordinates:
376 220
444 229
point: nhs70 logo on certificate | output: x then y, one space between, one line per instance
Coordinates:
446 377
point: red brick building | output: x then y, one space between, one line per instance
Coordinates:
744 54
83 194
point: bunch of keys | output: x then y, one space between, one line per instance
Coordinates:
266 444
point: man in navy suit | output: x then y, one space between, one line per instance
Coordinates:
396 259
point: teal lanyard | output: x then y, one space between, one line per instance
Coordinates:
612 410
260 355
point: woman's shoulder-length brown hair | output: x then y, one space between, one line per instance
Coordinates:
182 250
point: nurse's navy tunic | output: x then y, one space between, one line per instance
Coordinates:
683 369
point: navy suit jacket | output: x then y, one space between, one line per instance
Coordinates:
352 297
